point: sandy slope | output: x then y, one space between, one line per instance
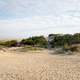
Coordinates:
39 66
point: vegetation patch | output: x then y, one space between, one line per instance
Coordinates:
28 48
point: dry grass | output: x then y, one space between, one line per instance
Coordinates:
41 66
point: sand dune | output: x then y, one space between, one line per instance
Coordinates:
38 66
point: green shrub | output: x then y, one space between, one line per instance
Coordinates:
60 40
38 41
12 43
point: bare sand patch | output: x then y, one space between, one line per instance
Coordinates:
41 66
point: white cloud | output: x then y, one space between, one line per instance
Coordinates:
22 18
39 25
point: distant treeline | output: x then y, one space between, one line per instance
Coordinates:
36 41
56 40
53 40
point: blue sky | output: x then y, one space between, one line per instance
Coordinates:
25 18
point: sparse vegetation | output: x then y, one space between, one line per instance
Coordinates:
28 48
65 41
12 43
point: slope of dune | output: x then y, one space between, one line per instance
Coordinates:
38 66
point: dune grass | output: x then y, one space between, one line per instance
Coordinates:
28 48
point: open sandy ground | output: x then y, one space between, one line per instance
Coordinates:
38 66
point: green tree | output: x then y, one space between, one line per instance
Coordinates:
38 41
12 43
76 38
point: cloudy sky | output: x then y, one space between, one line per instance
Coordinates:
25 18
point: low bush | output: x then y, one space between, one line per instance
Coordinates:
12 43
38 41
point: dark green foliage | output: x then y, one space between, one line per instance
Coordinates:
38 41
58 41
28 41
76 38
54 40
2 43
61 40
67 39
12 43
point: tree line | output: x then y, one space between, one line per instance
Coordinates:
64 39
36 41
53 40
